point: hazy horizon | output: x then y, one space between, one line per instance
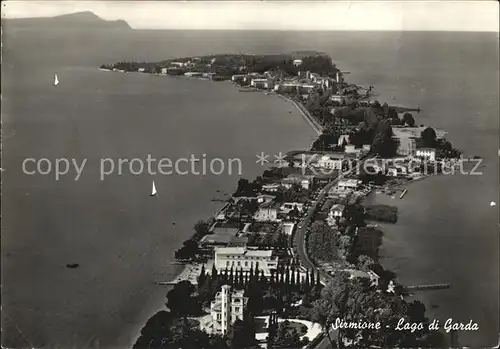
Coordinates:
457 16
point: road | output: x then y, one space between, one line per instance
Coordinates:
300 241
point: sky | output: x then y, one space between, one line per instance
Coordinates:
480 15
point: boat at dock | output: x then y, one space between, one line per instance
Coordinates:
403 193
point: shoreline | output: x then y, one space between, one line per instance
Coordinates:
186 273
190 271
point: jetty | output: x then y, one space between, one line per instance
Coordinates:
427 287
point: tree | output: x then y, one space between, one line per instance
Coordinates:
242 334
408 120
202 276
179 299
188 250
393 116
201 229
365 263
428 137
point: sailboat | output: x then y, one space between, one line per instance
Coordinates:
153 191
56 80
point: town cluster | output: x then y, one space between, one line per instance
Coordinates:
297 248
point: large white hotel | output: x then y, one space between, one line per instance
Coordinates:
246 259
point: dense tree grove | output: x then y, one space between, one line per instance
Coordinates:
322 242
355 301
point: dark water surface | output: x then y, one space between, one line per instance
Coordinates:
123 239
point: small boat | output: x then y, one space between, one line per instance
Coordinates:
56 80
173 223
153 190
72 265
493 204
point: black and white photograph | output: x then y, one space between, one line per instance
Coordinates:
250 174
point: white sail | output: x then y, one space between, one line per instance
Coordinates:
56 80
153 191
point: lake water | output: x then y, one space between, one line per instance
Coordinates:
123 239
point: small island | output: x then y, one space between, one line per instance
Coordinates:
295 251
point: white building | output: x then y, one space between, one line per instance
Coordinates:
193 74
261 83
288 228
177 64
164 71
343 139
271 188
267 212
337 211
305 182
246 259
297 62
351 149
265 198
289 206
426 153
349 184
227 307
330 162
337 98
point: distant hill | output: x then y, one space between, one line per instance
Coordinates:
73 21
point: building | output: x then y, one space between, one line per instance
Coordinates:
406 146
289 206
238 77
261 83
337 211
343 139
351 149
426 153
267 212
265 198
287 228
349 184
337 98
245 259
193 74
297 62
141 70
302 74
395 171
306 88
331 162
407 136
287 87
414 132
176 64
164 71
271 188
306 182
227 307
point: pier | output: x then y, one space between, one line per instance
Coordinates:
428 287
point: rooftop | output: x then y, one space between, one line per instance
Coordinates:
338 207
426 149
242 251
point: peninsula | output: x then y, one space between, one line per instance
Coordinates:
295 252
